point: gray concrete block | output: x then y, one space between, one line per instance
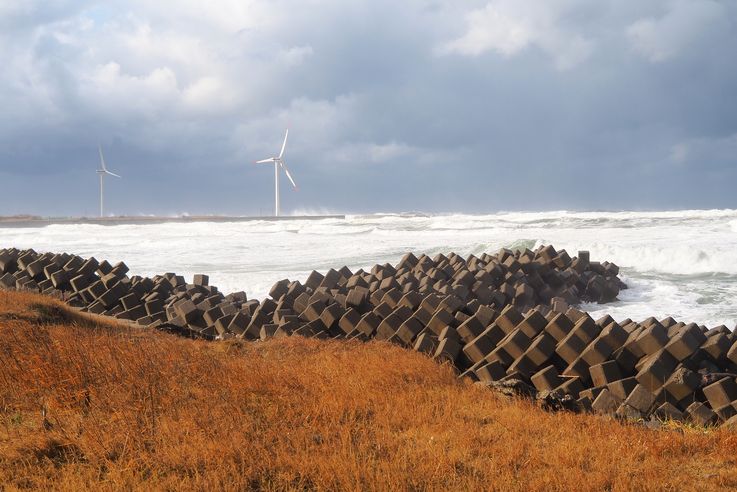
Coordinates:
717 347
640 398
490 371
349 321
570 348
426 343
448 350
721 393
470 329
605 373
682 383
409 330
605 403
368 324
508 319
546 379
700 414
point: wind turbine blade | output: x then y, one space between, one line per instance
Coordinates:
263 161
284 144
102 159
288 175
111 174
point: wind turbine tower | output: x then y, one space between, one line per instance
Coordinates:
279 163
102 172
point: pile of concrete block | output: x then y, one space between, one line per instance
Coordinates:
167 301
498 319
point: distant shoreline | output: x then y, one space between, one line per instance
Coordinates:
36 221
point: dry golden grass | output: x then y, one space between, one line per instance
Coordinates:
140 410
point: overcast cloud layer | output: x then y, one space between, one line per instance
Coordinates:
392 106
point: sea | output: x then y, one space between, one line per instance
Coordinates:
676 263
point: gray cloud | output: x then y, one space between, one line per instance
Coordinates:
417 106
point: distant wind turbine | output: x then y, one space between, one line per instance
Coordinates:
279 162
102 172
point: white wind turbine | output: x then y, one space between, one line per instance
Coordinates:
279 162
102 172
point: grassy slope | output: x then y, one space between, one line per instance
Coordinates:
135 409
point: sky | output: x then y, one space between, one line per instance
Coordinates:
419 105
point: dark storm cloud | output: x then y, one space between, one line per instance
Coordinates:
412 106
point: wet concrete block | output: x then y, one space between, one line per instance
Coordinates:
721 393
605 373
546 379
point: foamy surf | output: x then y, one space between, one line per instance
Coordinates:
677 263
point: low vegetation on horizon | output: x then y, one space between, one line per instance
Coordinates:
92 404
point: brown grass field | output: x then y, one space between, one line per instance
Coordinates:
127 408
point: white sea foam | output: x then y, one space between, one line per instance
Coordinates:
678 263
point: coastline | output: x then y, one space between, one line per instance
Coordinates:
34 221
